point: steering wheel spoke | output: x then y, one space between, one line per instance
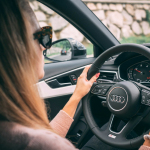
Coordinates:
145 94
130 125
113 137
101 89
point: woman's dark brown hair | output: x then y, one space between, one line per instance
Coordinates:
19 98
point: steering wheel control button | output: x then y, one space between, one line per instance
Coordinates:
97 90
148 102
104 91
104 103
123 99
101 89
143 101
145 97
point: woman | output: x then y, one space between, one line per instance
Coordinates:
24 122
23 118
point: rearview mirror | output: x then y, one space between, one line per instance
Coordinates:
65 49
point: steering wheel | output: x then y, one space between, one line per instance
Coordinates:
124 100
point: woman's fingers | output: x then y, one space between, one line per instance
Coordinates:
93 79
84 74
83 85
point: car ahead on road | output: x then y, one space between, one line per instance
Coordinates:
120 97
63 52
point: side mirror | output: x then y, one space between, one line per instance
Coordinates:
65 49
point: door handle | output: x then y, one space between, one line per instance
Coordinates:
55 84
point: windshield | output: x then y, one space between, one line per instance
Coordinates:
128 21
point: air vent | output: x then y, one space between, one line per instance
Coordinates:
108 76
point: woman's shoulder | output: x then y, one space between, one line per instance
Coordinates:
15 136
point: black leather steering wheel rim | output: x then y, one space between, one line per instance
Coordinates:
113 51
95 67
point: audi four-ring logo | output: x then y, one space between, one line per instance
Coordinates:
117 98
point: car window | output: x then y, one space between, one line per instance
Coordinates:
128 21
62 29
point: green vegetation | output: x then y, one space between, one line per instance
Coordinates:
136 39
63 45
148 16
89 48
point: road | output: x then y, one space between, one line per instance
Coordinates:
62 57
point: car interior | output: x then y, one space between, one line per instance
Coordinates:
119 98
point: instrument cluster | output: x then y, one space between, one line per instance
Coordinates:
139 72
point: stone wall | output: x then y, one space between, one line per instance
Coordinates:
123 20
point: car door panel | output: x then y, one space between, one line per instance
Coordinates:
55 104
47 92
56 98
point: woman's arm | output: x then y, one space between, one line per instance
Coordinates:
146 144
63 120
61 123
144 147
82 88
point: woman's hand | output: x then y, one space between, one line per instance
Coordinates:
83 85
82 88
